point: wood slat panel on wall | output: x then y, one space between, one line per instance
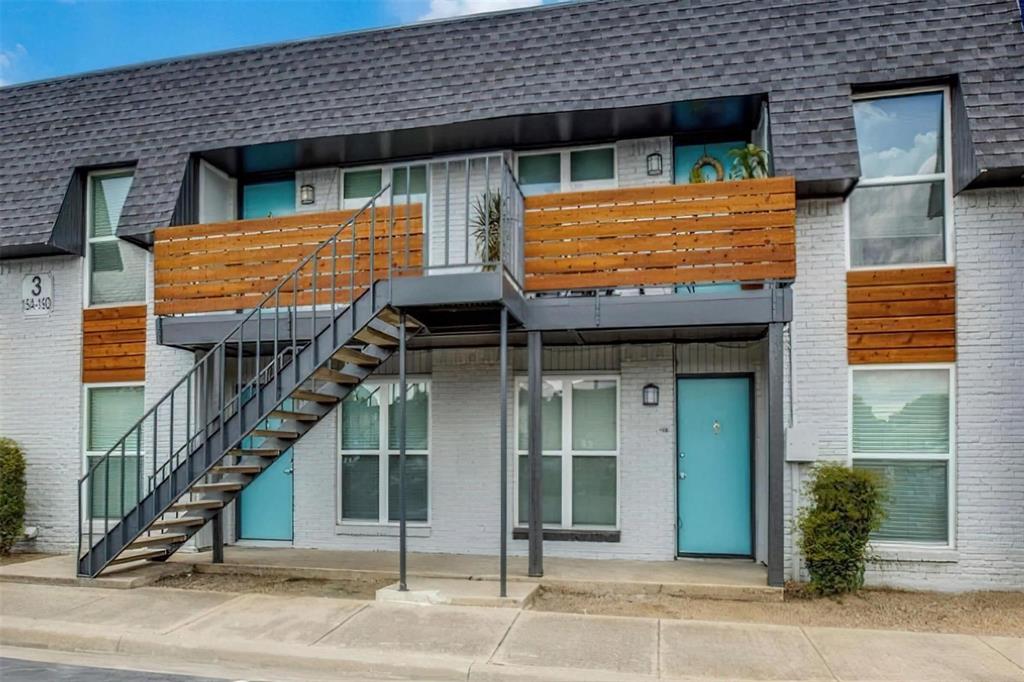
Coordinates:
901 315
738 231
114 344
233 265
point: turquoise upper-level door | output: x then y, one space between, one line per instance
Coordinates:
714 466
268 199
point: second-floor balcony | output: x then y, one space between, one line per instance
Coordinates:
665 239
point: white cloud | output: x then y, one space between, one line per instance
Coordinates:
442 9
8 62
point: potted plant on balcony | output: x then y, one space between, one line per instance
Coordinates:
487 229
749 161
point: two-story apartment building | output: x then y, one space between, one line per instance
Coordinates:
599 279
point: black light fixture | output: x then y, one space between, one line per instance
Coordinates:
654 166
650 395
307 194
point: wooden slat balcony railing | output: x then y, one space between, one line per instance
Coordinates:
232 265
736 231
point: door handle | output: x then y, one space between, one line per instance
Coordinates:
289 471
682 475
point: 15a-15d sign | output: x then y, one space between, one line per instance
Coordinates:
37 294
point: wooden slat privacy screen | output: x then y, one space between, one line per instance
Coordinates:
232 265
737 231
901 315
114 344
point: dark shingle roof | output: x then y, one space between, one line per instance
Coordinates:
605 53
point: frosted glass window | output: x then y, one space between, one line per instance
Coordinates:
551 489
400 181
593 491
360 482
594 415
360 419
415 487
592 164
551 416
362 184
540 173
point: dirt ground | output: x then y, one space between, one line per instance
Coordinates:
21 557
354 588
988 613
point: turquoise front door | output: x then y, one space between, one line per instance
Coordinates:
714 465
266 504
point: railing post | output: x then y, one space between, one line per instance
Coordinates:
402 587
503 429
373 273
535 455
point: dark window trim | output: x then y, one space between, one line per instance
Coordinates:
571 535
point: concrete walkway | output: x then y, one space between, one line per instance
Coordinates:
336 637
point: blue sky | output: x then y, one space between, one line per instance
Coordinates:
49 38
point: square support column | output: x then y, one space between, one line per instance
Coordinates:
535 348
776 457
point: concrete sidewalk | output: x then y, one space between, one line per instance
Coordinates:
336 637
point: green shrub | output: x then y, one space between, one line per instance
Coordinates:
846 506
12 494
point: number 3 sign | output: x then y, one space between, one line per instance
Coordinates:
37 295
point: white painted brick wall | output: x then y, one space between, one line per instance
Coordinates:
41 394
464 467
989 249
631 161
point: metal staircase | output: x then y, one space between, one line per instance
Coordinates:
317 335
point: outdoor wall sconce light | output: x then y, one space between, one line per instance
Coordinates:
654 164
650 395
307 194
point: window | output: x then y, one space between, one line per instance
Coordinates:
579 430
369 457
902 428
900 210
117 269
109 412
568 170
359 185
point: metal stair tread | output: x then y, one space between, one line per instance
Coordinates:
178 521
375 336
274 433
220 487
236 469
197 504
356 357
162 539
297 416
255 452
328 374
314 396
124 557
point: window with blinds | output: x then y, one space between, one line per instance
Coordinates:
110 412
579 433
369 466
901 430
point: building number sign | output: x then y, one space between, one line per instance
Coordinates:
37 294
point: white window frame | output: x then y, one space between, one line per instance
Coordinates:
565 166
949 458
566 452
945 176
382 453
90 240
87 453
386 174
